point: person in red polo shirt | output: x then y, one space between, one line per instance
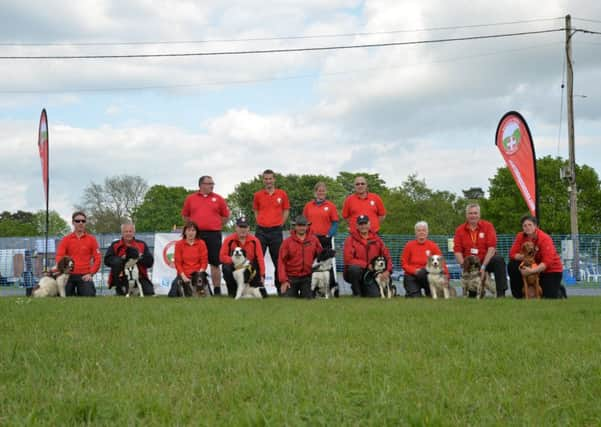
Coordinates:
414 259
478 237
84 250
252 246
548 261
362 202
190 256
271 207
209 211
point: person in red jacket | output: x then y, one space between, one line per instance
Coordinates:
360 248
414 259
190 256
252 246
478 237
295 262
84 250
115 259
549 263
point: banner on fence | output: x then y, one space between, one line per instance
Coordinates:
163 270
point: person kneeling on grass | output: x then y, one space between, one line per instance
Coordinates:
295 261
191 256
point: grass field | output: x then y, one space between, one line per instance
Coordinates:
159 361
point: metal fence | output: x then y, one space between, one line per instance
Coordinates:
22 258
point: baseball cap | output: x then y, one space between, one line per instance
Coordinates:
362 219
242 222
301 220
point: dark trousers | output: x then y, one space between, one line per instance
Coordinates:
77 287
354 275
300 287
414 283
549 282
271 237
326 243
496 265
232 285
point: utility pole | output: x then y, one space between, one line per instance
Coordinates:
571 175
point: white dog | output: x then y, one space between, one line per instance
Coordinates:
50 286
244 273
131 273
320 278
439 285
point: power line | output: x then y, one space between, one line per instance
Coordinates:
284 50
316 36
268 79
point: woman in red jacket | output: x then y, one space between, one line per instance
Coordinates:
191 255
414 259
549 263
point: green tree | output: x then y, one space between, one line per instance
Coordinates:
506 206
57 225
413 201
110 204
161 208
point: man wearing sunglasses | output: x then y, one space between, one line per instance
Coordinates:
83 248
362 202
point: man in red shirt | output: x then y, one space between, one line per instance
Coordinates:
478 237
362 202
295 262
83 249
252 246
271 207
209 211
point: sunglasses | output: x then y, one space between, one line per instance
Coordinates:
80 221
360 183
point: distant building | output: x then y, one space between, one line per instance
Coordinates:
473 193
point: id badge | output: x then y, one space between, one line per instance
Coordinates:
474 251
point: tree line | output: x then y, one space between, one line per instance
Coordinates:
158 208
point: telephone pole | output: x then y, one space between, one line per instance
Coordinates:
571 175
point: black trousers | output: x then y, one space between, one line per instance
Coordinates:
354 275
271 237
232 285
496 265
300 287
549 282
414 283
76 286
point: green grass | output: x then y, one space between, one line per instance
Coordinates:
159 361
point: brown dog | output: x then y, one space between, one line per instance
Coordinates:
531 287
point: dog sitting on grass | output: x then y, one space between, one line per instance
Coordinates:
532 288
244 273
471 280
131 274
197 286
320 277
54 285
439 284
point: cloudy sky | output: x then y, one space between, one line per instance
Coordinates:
430 109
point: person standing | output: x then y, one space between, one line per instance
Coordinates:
210 212
295 262
414 259
254 254
478 237
271 208
360 248
548 262
115 259
362 202
83 248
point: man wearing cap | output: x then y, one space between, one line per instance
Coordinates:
362 202
251 245
295 262
271 207
360 248
209 211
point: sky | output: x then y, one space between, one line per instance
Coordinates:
429 109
